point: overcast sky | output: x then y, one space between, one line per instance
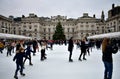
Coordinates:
48 8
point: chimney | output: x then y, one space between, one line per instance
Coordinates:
94 16
113 5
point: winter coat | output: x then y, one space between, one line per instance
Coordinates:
107 54
1 45
70 45
9 47
19 57
28 50
34 44
17 47
83 46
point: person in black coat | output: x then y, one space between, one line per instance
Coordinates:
34 46
70 48
107 51
83 50
9 49
28 54
19 62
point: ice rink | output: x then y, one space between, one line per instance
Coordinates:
57 65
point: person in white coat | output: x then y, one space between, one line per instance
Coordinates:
43 47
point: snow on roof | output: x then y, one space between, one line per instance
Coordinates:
12 36
109 35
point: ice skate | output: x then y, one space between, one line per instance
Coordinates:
30 64
22 74
70 60
84 59
79 59
15 77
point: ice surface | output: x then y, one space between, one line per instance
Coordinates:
57 66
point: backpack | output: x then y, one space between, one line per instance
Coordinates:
114 49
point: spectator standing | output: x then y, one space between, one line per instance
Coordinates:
107 59
70 48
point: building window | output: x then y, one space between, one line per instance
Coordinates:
6 24
30 35
54 29
35 30
49 29
87 26
44 30
2 30
81 22
14 32
6 31
2 23
35 26
81 26
119 28
114 22
92 26
72 29
68 29
111 23
24 26
97 28
49 37
30 27
68 36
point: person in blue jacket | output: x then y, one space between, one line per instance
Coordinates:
28 54
19 62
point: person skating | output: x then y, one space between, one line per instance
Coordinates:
19 62
1 46
28 54
9 49
87 43
83 50
13 44
70 48
34 46
43 47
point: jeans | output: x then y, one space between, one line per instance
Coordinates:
70 55
1 50
108 70
19 67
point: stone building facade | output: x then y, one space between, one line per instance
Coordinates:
44 27
5 24
113 20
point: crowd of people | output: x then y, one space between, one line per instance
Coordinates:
109 47
23 50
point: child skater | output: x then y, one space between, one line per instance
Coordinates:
19 62
28 54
